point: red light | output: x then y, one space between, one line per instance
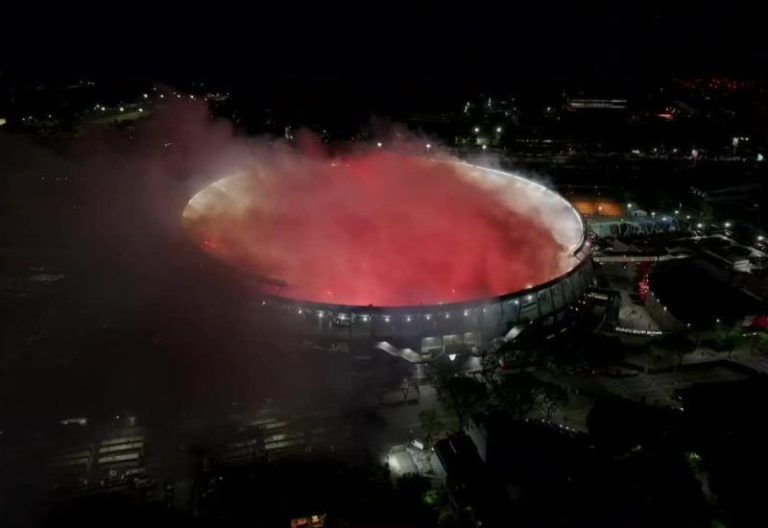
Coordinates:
379 228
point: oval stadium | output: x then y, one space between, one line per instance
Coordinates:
411 253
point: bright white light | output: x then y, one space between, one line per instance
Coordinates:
162 96
320 315
429 146
386 318
498 130
653 213
429 317
379 144
452 357
300 311
484 147
145 96
529 297
699 226
629 206
760 237
141 109
122 109
408 319
677 211
476 129
447 316
727 225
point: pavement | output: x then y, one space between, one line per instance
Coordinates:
635 316
660 388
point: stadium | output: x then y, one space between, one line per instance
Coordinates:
423 285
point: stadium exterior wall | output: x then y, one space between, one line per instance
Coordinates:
426 328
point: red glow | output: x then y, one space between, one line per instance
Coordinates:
759 322
643 283
377 228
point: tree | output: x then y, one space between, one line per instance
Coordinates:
706 213
726 339
514 394
462 395
489 360
603 351
758 341
548 398
430 424
680 344
440 371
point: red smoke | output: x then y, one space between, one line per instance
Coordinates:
376 228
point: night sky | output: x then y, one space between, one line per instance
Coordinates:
394 48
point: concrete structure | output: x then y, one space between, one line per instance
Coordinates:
430 329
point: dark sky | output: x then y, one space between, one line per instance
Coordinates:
397 47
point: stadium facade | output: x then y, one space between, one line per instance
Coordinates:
427 329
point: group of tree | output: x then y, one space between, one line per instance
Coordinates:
517 395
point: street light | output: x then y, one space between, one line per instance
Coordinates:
379 144
498 130
727 225
476 129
